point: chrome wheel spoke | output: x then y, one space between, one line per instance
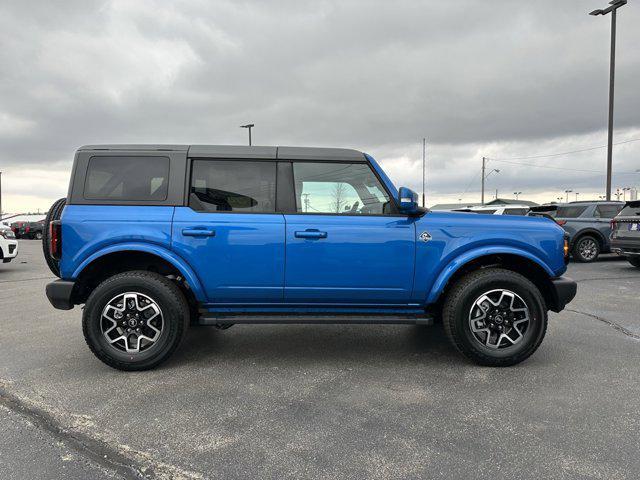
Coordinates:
499 318
132 322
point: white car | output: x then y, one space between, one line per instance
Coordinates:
8 245
510 209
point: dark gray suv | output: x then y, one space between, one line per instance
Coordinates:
587 223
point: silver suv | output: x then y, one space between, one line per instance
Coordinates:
587 223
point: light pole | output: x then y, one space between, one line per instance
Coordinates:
484 177
559 199
624 192
614 6
248 126
567 192
516 194
577 193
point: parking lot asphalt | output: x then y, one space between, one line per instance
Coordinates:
316 401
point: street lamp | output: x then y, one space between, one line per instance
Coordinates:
614 5
516 194
624 192
249 126
577 193
567 192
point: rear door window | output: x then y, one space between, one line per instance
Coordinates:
233 186
606 211
127 178
571 212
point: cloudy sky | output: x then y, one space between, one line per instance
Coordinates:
503 79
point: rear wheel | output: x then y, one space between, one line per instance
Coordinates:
635 261
495 317
586 249
135 320
54 213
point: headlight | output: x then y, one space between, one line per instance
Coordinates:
7 234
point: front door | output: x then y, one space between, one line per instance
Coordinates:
345 244
230 233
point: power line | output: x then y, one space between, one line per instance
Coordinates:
565 153
555 168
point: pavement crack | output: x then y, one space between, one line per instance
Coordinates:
95 450
613 325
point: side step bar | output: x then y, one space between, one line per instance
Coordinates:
215 319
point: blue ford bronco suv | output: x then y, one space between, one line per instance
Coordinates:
154 238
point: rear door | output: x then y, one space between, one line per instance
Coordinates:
230 232
345 243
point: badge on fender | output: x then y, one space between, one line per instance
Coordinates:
425 236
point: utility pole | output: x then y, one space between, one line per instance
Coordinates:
424 167
248 126
484 177
306 201
615 4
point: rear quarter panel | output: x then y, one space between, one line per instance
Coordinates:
89 229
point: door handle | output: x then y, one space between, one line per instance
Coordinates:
198 232
310 234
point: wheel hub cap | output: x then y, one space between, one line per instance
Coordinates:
131 322
499 318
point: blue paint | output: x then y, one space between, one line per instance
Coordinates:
256 262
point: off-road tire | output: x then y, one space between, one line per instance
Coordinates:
457 307
635 261
54 213
164 292
578 255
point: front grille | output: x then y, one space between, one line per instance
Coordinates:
12 248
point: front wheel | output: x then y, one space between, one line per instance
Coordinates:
495 317
135 320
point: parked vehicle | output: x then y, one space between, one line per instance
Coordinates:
153 238
8 245
587 223
511 209
15 227
625 232
30 230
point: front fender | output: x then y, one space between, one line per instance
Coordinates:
454 265
185 270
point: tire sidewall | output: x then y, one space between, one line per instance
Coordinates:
171 332
531 297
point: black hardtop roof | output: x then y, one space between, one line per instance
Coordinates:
241 151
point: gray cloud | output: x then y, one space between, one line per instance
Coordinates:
506 77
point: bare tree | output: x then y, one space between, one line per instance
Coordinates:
339 192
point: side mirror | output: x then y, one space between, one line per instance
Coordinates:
408 200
